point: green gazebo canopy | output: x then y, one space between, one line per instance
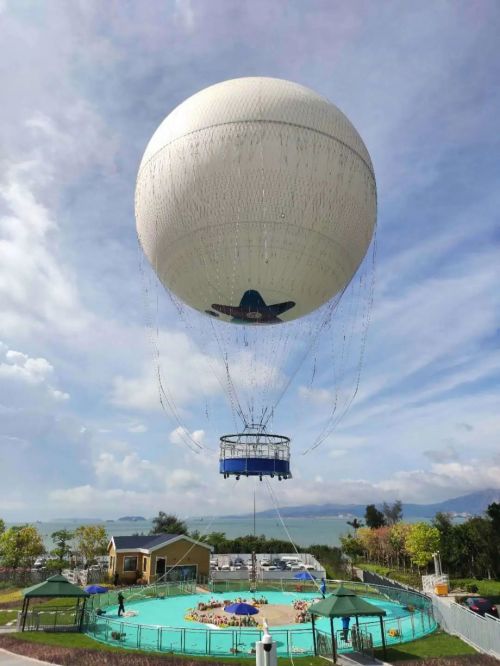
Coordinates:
344 603
55 586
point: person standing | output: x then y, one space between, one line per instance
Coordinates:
121 607
345 628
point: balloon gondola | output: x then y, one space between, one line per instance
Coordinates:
255 452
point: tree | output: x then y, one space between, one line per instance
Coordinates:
2 526
355 524
351 546
91 541
393 513
373 517
398 540
197 536
493 512
422 541
62 550
20 546
368 541
167 523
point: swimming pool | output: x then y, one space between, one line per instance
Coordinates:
160 623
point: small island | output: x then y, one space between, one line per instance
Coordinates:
132 519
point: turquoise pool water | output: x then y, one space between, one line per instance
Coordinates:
160 624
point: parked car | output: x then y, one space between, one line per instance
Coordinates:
481 606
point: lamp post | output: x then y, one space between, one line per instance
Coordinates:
265 650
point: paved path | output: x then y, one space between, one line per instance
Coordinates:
355 659
10 659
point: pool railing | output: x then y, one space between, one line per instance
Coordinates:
235 641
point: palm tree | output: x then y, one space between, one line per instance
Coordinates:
355 524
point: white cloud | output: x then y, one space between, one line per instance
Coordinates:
137 428
186 373
183 479
185 16
181 435
319 396
130 468
20 374
38 294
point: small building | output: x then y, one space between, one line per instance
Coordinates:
150 558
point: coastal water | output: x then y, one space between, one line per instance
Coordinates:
303 531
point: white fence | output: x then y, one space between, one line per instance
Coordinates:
430 582
483 633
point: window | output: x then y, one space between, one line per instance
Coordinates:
144 562
130 563
111 563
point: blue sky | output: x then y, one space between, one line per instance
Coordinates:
84 85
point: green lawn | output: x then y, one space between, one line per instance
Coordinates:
438 644
487 588
84 642
406 577
7 616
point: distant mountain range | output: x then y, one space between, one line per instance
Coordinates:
473 504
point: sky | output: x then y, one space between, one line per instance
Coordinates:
84 86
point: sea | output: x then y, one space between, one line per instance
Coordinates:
302 531
325 530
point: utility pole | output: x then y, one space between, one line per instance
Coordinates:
253 572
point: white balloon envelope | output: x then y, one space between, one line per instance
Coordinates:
256 201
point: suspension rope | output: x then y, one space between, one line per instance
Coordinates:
202 534
274 500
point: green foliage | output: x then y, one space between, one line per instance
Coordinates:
406 577
493 512
20 546
62 551
471 548
331 559
351 546
91 541
393 513
421 542
166 523
197 536
486 588
2 526
373 517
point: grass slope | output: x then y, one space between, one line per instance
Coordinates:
436 645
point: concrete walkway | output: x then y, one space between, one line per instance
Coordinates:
11 659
